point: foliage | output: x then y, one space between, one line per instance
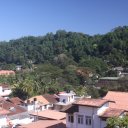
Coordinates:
51 62
121 122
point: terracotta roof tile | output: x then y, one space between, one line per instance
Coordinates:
4 85
45 124
16 101
112 112
50 114
40 99
6 72
120 98
4 111
13 109
91 102
1 99
50 98
70 109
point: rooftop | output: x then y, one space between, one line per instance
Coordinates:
4 85
16 101
91 102
50 114
39 98
70 108
120 98
46 124
112 112
109 78
13 109
3 111
50 98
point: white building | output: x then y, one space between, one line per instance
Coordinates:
90 113
11 115
37 103
5 90
66 98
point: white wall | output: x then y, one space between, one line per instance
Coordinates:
5 92
35 107
66 97
3 121
0 89
87 111
102 109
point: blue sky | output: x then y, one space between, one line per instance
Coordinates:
20 18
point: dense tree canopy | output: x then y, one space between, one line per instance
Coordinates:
53 61
111 48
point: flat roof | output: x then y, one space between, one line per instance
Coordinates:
109 78
50 114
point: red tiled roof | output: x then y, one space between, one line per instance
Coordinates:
4 111
50 114
91 102
112 112
1 99
4 85
50 98
16 101
13 109
70 108
120 98
6 72
40 99
46 124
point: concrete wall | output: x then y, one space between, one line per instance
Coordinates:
66 98
91 112
5 92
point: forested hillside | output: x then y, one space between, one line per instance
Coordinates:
80 48
64 59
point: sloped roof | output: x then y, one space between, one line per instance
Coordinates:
70 108
40 99
112 112
91 102
4 85
1 99
13 109
3 111
50 98
16 101
45 124
6 72
50 114
120 98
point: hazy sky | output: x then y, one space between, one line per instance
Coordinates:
37 17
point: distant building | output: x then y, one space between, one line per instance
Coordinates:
37 103
107 81
18 67
65 98
122 74
7 72
11 114
5 90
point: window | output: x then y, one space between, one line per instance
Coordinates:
80 119
64 101
70 118
45 106
88 120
